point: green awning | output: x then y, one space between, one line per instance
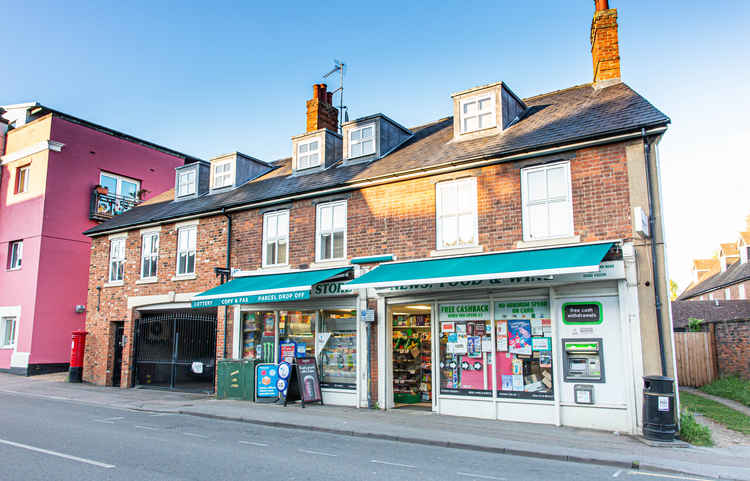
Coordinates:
288 286
539 262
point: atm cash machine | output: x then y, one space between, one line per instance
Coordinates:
583 361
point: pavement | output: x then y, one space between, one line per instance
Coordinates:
414 428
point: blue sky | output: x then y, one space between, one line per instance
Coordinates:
207 80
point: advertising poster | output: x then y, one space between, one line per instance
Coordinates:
474 347
266 377
461 346
536 327
507 382
545 359
286 351
541 344
447 327
519 336
502 336
517 382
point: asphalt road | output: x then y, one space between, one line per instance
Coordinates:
51 439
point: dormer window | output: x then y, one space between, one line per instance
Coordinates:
222 174
478 113
186 183
308 154
362 141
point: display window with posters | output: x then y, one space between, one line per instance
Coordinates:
465 349
523 349
258 335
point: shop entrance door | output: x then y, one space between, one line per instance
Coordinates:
117 359
412 355
176 350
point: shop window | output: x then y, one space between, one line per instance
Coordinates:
186 241
8 332
276 238
337 348
331 231
15 255
22 179
547 205
258 335
297 334
412 354
523 349
149 255
456 213
117 259
465 349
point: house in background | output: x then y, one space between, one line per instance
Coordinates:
52 163
725 276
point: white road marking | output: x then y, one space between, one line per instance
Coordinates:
671 476
316 452
43 396
253 443
108 420
55 453
481 476
146 427
196 435
393 464
617 473
161 414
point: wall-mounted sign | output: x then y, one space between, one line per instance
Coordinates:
541 344
582 313
464 312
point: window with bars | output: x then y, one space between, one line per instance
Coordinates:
477 113
186 237
362 141
117 259
308 154
456 208
331 231
149 255
547 203
276 238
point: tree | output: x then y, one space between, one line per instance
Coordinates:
695 324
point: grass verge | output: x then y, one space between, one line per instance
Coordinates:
694 433
730 418
730 387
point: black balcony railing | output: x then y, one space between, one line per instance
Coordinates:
106 206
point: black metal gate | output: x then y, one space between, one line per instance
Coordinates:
176 350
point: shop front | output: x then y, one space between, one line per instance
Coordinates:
474 336
280 317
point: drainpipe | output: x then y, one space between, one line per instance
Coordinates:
229 254
654 262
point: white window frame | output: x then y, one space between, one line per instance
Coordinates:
185 231
477 99
181 181
266 239
323 230
15 255
145 241
353 142
710 296
440 212
308 154
742 294
228 177
4 322
22 185
120 179
728 294
525 205
118 257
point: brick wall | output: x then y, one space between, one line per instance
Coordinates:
397 218
733 348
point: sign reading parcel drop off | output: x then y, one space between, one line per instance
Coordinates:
266 376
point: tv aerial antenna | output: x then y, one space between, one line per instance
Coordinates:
340 67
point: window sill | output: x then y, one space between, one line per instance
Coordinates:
184 277
8 347
457 251
12 269
114 284
329 263
147 280
556 241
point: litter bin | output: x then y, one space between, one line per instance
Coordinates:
658 408
236 379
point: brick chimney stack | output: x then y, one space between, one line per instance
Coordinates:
321 114
605 49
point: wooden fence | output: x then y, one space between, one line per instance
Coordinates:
696 358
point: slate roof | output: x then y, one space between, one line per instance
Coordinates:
556 118
709 311
735 273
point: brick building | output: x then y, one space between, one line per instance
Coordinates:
502 250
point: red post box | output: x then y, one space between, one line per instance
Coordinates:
76 356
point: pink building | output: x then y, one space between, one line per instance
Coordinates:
52 164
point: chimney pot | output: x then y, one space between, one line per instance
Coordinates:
601 5
316 91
